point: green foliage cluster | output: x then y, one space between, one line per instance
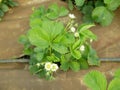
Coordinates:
49 40
99 11
5 5
95 80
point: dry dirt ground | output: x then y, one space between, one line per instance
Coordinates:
16 76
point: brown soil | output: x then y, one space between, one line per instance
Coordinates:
108 43
16 76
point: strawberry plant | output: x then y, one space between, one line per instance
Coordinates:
51 44
95 80
99 11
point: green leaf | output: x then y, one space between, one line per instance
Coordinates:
86 51
35 23
117 73
68 56
79 2
52 29
95 80
87 9
42 74
39 56
52 15
92 57
68 38
89 34
70 4
90 3
63 11
1 13
64 64
58 38
75 53
38 13
76 44
33 69
53 11
38 49
84 27
87 18
23 39
44 35
32 60
4 7
53 58
112 4
99 3
114 84
102 15
75 66
37 38
12 3
83 64
27 51
60 48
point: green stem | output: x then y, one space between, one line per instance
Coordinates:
38 71
68 24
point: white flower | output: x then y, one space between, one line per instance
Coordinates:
72 16
82 48
38 64
54 67
48 66
76 34
72 29
51 67
91 40
76 25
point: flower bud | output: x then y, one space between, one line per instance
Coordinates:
72 29
76 34
72 16
82 48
